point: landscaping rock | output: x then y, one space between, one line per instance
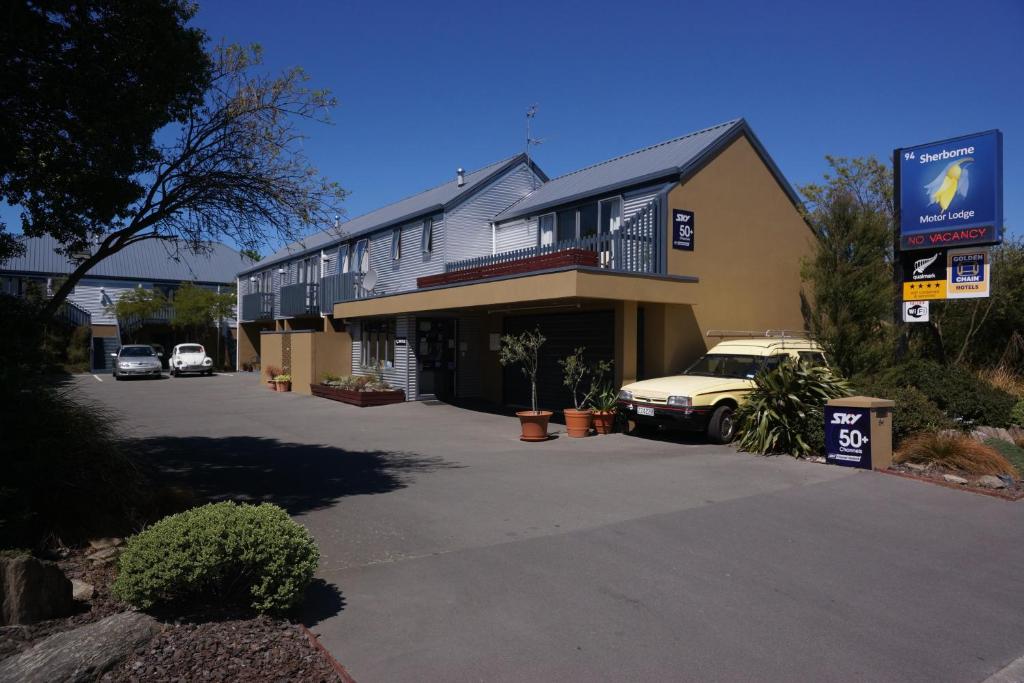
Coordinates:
82 654
104 543
32 590
984 433
953 479
104 556
990 481
81 590
915 467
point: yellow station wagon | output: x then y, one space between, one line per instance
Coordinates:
704 396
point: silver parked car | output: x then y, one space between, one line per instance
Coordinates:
137 360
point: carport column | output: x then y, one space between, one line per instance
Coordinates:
625 342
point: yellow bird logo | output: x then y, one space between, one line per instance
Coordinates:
951 182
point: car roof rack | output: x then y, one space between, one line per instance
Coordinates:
759 334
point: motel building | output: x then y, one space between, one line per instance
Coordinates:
597 258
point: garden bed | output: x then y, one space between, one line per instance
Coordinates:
206 645
936 475
362 399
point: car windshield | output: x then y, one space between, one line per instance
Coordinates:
190 348
726 365
137 351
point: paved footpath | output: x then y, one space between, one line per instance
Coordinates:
451 551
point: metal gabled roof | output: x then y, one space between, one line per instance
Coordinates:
440 198
151 259
671 158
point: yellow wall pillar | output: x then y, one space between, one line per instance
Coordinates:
625 342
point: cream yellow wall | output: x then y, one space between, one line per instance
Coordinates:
270 352
333 350
749 241
302 360
104 330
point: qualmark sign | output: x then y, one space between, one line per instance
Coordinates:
951 192
924 275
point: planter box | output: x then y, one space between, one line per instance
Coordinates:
358 398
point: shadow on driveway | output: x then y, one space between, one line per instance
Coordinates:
298 477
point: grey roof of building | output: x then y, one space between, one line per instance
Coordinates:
440 198
672 158
147 260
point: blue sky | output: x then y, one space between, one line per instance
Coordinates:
426 87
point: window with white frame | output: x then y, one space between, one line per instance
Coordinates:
427 241
396 244
377 344
343 258
586 220
306 270
361 263
611 215
546 229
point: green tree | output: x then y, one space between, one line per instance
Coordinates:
252 254
199 310
848 279
119 126
138 302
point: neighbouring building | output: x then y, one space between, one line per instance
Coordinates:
635 258
152 264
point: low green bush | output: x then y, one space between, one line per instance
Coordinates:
914 412
784 413
960 394
252 555
1017 414
1012 452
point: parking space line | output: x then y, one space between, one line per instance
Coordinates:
97 378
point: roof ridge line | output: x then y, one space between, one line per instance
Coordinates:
731 122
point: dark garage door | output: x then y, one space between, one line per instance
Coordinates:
564 332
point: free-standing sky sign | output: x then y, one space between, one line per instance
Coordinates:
950 192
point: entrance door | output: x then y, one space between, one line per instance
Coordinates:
436 345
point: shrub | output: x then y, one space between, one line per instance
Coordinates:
1005 378
914 412
356 383
954 451
221 552
272 371
1017 414
1012 452
958 393
784 413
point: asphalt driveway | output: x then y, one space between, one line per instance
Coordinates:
452 551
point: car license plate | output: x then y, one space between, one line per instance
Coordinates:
645 410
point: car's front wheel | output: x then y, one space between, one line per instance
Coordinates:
722 425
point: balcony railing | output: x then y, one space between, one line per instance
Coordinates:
635 248
336 289
257 306
161 316
300 299
73 314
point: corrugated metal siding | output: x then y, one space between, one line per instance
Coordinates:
400 276
469 224
87 295
517 234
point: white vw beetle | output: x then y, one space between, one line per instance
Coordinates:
190 358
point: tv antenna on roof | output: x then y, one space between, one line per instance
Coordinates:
531 112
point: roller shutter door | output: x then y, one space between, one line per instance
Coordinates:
564 332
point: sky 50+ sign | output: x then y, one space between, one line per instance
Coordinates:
951 192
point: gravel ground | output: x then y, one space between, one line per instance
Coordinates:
210 646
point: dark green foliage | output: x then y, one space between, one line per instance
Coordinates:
252 555
960 394
1012 452
848 279
784 413
78 350
914 411
1017 414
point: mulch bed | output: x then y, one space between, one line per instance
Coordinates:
214 645
934 475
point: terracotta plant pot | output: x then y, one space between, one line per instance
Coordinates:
272 385
577 422
604 421
534 425
283 386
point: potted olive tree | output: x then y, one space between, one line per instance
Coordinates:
574 369
523 349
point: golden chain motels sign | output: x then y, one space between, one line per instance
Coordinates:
968 273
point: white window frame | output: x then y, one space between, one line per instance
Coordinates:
600 212
552 229
362 253
344 258
427 239
396 244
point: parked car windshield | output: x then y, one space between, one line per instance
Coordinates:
726 365
138 351
190 348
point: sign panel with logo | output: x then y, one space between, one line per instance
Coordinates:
968 273
848 436
915 311
924 275
682 229
950 192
